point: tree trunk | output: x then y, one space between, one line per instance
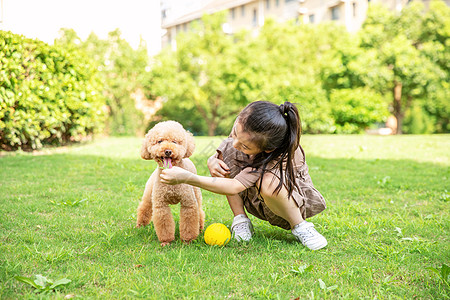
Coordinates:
398 112
212 128
211 122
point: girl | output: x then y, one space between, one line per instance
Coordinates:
262 167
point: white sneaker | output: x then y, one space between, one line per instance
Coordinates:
308 236
242 228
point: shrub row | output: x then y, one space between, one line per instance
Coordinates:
48 95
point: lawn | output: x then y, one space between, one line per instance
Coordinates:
70 213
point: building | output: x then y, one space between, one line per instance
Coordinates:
177 15
350 13
249 14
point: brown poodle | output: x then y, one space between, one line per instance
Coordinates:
169 144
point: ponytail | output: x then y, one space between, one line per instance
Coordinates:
276 131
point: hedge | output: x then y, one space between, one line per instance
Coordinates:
48 94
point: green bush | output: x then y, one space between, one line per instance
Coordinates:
417 121
120 68
313 106
356 109
48 95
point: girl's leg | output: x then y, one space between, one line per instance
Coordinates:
279 203
286 208
242 226
236 205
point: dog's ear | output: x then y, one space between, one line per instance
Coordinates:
144 152
190 144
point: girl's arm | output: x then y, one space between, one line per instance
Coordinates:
217 167
224 186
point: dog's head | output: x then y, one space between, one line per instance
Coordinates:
167 143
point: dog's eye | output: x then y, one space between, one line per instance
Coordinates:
175 142
160 141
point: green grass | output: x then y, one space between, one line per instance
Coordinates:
70 213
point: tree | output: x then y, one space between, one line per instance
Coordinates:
287 58
121 68
202 76
406 69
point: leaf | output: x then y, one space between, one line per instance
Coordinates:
309 269
303 269
445 272
333 287
42 281
322 284
59 282
434 270
27 281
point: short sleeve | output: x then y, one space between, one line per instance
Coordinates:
248 177
234 159
222 147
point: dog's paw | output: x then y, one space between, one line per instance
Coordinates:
139 225
163 244
188 241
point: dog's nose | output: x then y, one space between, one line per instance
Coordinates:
168 152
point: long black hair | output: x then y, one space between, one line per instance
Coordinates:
276 130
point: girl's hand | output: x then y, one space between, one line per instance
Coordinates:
175 175
217 168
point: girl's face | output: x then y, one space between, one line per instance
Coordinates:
242 141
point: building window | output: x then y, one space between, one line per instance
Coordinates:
243 10
233 13
255 18
354 9
277 3
335 13
288 1
268 4
311 19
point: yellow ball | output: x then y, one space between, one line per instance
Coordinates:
217 234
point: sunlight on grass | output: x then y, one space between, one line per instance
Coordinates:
70 213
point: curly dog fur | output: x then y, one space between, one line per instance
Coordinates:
168 142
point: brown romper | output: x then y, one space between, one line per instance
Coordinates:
308 199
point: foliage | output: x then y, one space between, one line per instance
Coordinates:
443 273
417 120
287 57
121 68
48 94
212 84
355 109
42 284
203 76
411 52
399 58
207 86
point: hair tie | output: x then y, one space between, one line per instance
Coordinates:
284 109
